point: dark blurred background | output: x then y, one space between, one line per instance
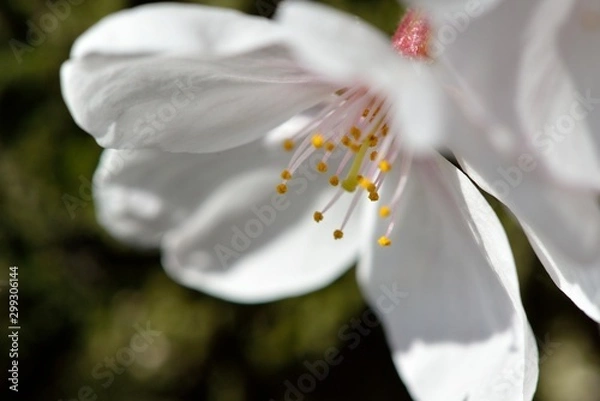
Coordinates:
84 296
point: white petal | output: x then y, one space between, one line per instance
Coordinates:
332 42
222 228
579 280
186 104
489 142
242 258
562 221
513 161
176 29
247 244
419 110
563 216
518 77
560 88
294 125
481 58
456 325
347 51
142 194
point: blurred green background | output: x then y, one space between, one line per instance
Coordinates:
81 291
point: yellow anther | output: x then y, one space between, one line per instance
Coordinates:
346 141
355 147
366 112
288 145
373 141
366 184
373 155
322 167
318 141
330 146
338 234
374 196
286 175
385 166
282 189
334 180
385 211
384 130
384 241
355 132
318 216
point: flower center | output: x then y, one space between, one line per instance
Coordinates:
357 127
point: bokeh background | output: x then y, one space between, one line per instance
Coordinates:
81 292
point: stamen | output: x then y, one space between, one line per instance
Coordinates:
384 130
385 211
317 141
384 241
374 196
357 121
349 213
366 184
282 189
404 172
355 132
355 147
351 181
288 145
373 141
385 166
286 175
343 163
